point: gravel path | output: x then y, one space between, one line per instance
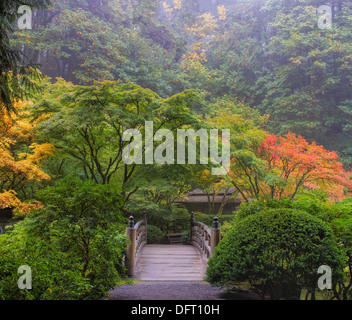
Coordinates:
175 290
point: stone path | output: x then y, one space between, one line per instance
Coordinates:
167 290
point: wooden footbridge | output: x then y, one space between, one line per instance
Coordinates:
170 262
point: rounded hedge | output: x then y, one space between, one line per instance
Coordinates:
154 234
277 251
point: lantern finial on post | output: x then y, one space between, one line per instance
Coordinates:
192 218
131 222
215 223
215 235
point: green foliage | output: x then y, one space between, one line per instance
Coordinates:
337 215
105 40
340 219
140 60
169 220
185 238
208 219
270 54
277 251
162 185
53 277
159 186
87 125
313 202
273 55
74 245
17 74
226 226
250 208
155 235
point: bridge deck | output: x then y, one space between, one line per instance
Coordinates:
170 263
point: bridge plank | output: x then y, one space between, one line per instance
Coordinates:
170 263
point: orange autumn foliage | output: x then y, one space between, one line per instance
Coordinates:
20 158
8 199
300 163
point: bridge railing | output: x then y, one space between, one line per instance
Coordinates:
137 235
203 238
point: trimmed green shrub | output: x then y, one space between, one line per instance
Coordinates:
225 227
185 238
208 219
249 208
277 251
313 202
154 234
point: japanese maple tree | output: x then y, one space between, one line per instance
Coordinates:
288 163
20 158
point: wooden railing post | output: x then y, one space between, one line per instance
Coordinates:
215 235
191 227
145 222
131 247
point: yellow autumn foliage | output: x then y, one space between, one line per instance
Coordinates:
177 4
167 8
221 12
8 199
20 157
